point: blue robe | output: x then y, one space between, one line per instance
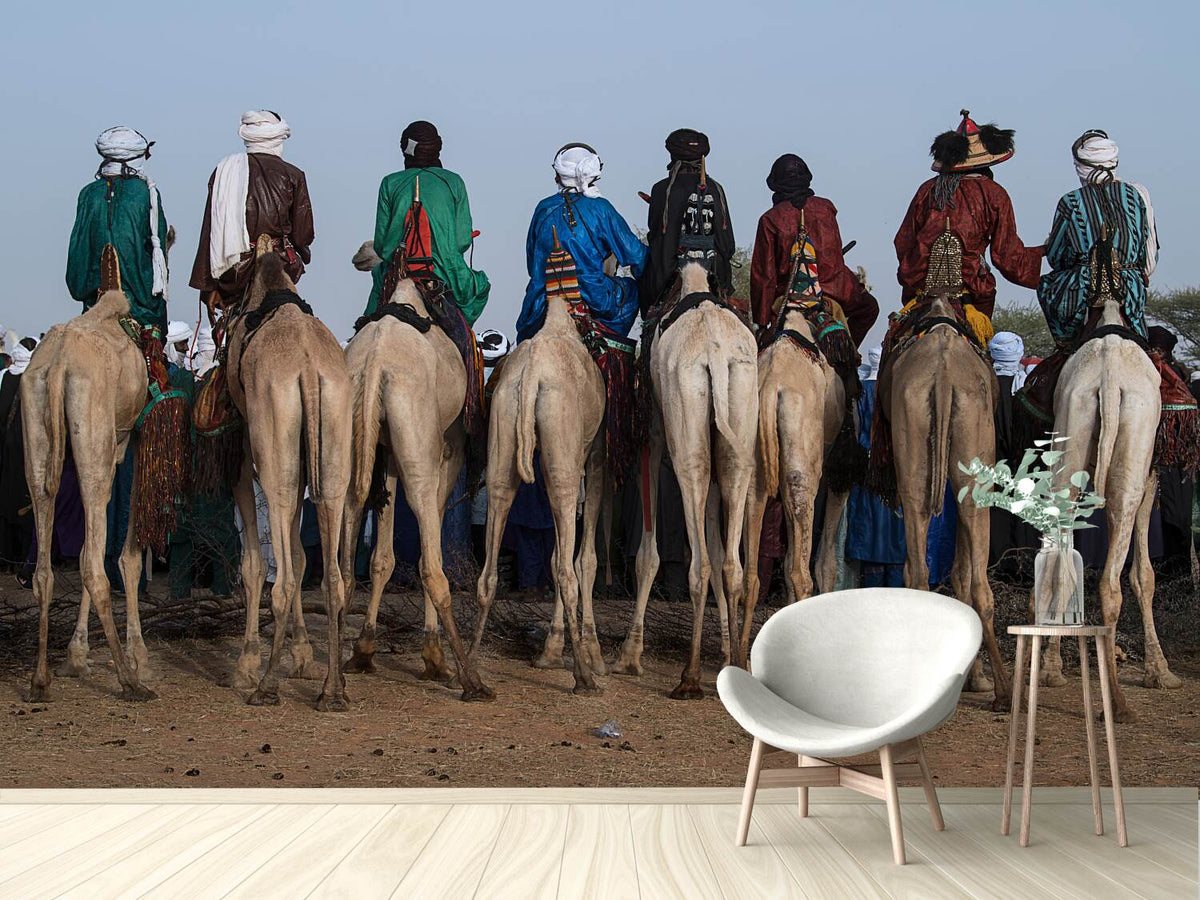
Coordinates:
1063 292
599 231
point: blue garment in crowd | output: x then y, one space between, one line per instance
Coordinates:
599 231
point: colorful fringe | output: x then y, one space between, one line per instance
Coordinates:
219 435
614 356
1177 441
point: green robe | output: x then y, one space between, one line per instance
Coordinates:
444 197
116 211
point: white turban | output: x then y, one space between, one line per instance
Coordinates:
493 345
264 132
1096 156
1007 351
123 150
20 359
578 170
873 357
178 331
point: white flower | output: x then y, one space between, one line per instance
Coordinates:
1025 487
1051 510
1019 505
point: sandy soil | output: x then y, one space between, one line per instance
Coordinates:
403 732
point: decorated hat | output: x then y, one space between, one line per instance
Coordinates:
971 146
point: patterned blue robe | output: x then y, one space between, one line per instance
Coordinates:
1063 292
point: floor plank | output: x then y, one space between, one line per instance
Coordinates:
223 867
69 832
527 858
1160 827
751 871
136 873
670 859
818 863
37 818
598 857
63 872
867 840
376 865
453 860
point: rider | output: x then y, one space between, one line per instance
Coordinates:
249 195
122 207
589 228
688 215
795 205
443 199
964 199
1103 204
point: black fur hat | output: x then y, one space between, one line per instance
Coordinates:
971 146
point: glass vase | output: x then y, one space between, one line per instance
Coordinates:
1058 582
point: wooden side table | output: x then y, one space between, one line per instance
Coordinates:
1103 635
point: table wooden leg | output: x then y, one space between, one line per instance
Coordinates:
1102 653
1035 665
1013 727
1090 723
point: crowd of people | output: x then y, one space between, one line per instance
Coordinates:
424 225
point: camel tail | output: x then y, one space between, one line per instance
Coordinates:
527 392
366 432
718 379
310 400
940 401
768 440
1110 417
56 421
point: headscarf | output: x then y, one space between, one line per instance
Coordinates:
790 180
421 145
20 359
264 131
1007 350
873 357
1161 339
178 331
125 152
687 144
493 345
577 168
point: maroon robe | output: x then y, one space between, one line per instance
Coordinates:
771 266
981 216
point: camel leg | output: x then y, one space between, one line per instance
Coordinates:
245 676
302 651
330 513
694 485
716 558
1141 578
1121 513
563 489
43 588
756 508
630 660
130 564
827 556
551 656
799 497
587 562
280 500
502 490
76 663
916 535
383 563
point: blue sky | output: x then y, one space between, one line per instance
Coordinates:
859 90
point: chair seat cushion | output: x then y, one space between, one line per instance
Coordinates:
780 724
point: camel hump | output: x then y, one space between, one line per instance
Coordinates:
110 269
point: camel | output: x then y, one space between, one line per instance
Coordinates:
1107 405
801 408
288 380
704 372
550 396
86 383
940 395
408 390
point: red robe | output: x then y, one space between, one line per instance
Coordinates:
982 216
771 265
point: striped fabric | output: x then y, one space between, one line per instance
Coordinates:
1064 292
562 278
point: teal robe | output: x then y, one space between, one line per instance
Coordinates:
444 197
115 210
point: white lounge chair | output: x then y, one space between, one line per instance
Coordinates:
847 673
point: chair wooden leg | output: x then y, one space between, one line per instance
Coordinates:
803 792
756 757
935 809
892 796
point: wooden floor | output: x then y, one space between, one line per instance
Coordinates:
668 842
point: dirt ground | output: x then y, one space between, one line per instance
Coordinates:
402 732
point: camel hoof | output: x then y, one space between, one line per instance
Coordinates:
626 667
544 661
434 672
1123 716
302 660
587 690
137 693
39 693
1002 704
687 690
980 685
1166 679
263 698
332 704
1052 679
73 669
359 664
477 693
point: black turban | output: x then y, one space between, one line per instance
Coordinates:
421 145
687 144
1161 339
790 180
